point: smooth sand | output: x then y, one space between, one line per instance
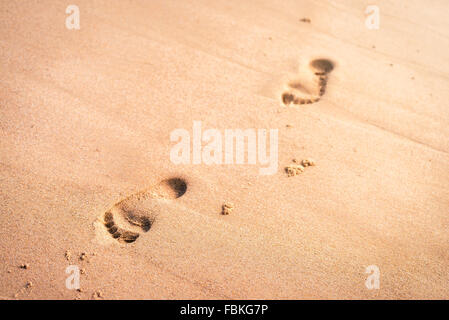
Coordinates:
85 120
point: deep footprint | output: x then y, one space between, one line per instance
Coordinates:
298 93
127 219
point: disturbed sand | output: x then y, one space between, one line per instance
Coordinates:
86 178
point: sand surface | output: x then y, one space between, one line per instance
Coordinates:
85 123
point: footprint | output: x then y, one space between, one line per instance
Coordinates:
129 218
307 92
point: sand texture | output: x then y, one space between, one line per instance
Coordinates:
85 171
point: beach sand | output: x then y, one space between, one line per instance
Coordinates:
86 177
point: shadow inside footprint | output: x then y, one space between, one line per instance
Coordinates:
322 65
134 213
171 188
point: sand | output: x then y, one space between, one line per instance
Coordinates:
85 123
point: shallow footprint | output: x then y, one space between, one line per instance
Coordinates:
299 92
127 219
